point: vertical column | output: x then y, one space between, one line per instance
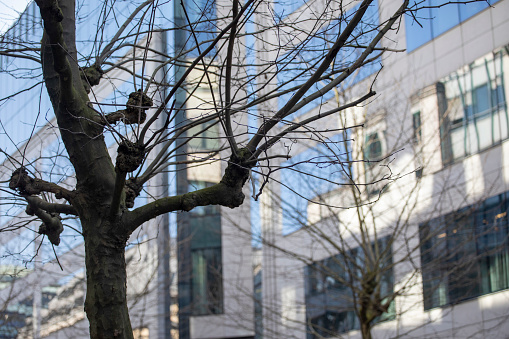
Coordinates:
163 222
270 214
183 234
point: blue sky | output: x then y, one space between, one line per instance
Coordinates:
9 11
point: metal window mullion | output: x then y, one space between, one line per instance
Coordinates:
465 118
490 97
501 53
474 118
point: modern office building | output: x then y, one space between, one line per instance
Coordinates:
422 235
209 292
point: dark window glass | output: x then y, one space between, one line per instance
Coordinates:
416 122
206 257
465 254
330 287
207 281
373 148
373 153
482 99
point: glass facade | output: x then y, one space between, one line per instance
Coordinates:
474 111
206 258
301 61
465 254
431 22
307 175
330 287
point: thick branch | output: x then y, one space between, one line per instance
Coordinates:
130 156
51 223
219 194
25 185
227 193
51 207
91 76
135 112
52 17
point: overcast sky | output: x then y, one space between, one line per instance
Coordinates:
9 11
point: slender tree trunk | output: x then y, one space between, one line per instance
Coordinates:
106 304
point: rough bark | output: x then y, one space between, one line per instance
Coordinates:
106 304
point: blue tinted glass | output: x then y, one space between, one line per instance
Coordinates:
436 21
497 96
297 62
313 172
443 18
468 10
202 15
283 8
482 99
418 29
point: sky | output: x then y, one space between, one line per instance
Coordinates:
9 12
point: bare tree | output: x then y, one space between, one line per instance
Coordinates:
323 46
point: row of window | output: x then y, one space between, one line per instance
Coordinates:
436 17
473 115
465 254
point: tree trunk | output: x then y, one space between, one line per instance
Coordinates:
106 303
366 331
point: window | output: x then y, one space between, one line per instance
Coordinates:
373 147
416 123
330 284
206 257
204 137
465 254
374 150
474 116
435 21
